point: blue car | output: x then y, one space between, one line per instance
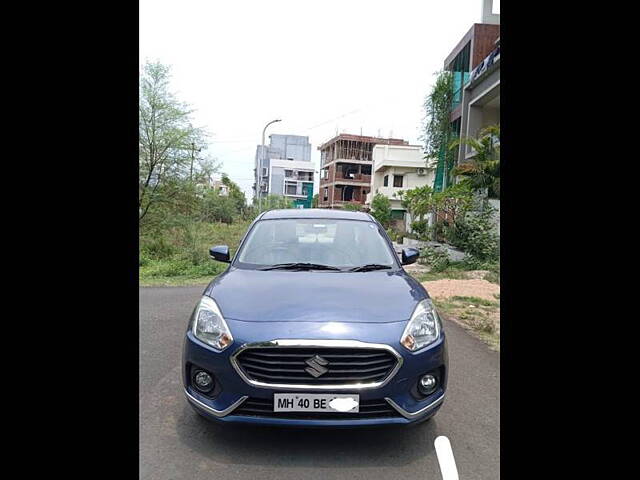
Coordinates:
315 324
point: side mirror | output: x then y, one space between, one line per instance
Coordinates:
220 253
410 255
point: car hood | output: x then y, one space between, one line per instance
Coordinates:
316 296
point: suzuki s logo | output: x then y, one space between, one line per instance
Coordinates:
316 366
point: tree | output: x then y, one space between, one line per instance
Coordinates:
418 201
437 121
482 172
235 193
167 141
218 208
381 209
436 125
452 203
275 202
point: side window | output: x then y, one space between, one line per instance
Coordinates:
386 181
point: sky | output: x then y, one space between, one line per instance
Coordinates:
322 66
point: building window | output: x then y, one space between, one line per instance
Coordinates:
460 69
305 176
325 196
288 173
386 181
290 188
397 180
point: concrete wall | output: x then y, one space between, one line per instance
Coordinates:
496 218
293 147
398 160
277 181
487 12
278 176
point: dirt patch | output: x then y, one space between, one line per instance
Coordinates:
472 303
473 287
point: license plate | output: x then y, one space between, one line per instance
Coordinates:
315 402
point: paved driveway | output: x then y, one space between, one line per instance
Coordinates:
176 443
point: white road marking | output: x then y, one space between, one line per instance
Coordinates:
445 458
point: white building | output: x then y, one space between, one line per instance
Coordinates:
293 179
395 168
285 156
221 187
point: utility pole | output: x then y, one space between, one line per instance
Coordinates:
259 166
193 155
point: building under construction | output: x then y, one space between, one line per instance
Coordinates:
345 168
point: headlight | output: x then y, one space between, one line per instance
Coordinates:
424 327
209 326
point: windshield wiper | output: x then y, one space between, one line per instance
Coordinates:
299 266
369 267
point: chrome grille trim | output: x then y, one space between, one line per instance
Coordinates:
316 343
213 411
412 415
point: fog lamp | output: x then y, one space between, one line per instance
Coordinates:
427 384
203 381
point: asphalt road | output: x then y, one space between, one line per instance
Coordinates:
176 443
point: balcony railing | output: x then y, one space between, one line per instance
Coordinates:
489 60
356 177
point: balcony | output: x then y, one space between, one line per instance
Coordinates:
388 192
492 59
353 177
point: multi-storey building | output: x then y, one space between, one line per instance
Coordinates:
471 56
345 168
397 168
480 100
285 168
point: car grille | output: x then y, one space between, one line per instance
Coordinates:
336 365
260 407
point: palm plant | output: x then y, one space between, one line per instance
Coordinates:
482 172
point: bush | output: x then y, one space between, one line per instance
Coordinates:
420 228
437 259
381 209
156 247
352 207
393 234
475 234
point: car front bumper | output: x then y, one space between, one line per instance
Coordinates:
233 391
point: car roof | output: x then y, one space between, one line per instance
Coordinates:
316 213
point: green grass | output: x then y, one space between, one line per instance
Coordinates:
174 281
458 271
474 301
478 315
455 270
493 277
180 255
448 273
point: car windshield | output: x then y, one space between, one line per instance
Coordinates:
325 242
